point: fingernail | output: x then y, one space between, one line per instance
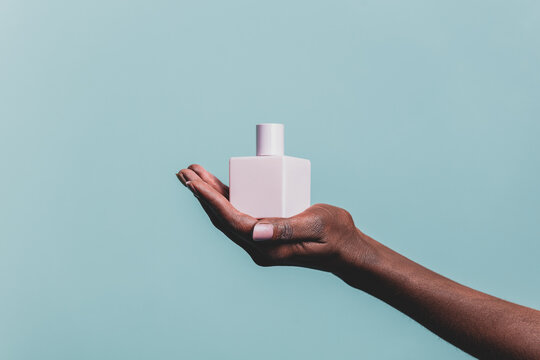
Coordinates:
192 188
263 232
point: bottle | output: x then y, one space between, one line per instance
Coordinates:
269 184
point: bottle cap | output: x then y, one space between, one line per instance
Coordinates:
270 139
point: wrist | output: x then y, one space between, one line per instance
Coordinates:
361 259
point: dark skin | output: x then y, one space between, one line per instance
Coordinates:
324 237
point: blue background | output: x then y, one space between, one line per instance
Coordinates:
421 118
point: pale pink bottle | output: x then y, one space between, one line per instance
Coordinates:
269 184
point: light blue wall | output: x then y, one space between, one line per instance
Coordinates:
420 118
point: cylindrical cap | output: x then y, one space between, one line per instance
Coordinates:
270 139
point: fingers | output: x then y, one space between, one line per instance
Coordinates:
307 226
213 194
198 172
186 175
221 213
227 228
181 177
220 205
210 179
269 241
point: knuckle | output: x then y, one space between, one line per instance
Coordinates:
332 216
284 231
346 216
318 224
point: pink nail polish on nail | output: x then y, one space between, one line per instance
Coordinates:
263 232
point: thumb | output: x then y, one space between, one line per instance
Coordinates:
295 229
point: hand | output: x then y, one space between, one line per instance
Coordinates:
322 237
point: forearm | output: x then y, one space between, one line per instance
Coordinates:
480 324
324 237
